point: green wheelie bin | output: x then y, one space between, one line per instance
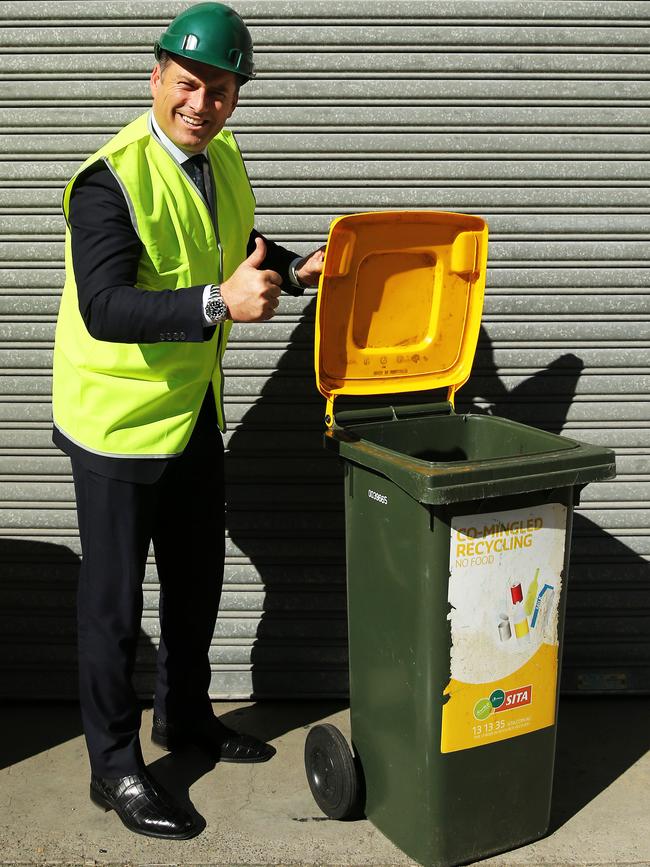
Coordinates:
458 531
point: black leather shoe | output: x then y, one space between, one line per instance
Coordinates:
143 806
222 743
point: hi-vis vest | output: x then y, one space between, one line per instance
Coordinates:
142 400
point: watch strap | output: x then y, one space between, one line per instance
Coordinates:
216 309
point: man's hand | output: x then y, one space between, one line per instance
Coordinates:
309 269
252 295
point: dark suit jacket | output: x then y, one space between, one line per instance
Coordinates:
105 255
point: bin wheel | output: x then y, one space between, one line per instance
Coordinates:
332 773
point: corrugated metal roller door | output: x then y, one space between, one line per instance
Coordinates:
534 115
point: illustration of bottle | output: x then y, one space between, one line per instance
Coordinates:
531 595
518 617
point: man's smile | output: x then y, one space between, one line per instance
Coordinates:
192 122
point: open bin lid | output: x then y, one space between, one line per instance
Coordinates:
400 303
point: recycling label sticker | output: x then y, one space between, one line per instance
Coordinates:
504 590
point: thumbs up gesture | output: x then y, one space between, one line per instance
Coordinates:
252 295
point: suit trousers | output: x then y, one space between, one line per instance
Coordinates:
183 514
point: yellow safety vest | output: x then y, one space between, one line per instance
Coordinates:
130 400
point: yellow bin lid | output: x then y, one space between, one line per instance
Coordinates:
399 303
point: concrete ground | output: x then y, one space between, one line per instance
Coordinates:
264 814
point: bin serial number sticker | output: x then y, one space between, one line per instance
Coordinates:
505 579
379 498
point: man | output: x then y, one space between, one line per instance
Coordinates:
161 258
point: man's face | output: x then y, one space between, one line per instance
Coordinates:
192 101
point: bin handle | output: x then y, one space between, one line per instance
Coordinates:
438 407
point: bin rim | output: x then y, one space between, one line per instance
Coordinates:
575 464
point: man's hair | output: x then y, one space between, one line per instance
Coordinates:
163 60
165 57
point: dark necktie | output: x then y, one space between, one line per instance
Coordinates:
194 168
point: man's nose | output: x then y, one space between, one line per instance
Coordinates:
198 100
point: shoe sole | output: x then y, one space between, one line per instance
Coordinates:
105 805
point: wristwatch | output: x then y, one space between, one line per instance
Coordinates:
216 309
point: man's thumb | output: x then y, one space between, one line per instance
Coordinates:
259 253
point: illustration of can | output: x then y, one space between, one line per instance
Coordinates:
505 632
519 619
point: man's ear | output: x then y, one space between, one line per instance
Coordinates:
234 103
154 80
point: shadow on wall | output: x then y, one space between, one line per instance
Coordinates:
38 582
543 400
38 667
287 533
38 657
285 517
606 643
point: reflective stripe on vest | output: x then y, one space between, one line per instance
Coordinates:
133 400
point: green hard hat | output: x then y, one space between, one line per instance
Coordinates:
211 33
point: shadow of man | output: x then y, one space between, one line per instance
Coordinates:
285 541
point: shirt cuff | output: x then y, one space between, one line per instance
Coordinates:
293 277
206 295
